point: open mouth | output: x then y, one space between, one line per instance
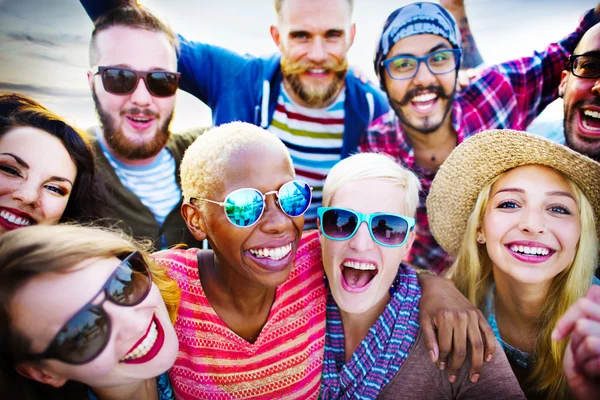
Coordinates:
590 122
10 220
148 346
356 275
139 122
424 102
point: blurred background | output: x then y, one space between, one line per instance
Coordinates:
44 43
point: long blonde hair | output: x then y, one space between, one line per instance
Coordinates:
472 275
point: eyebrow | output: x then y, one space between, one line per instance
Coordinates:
18 159
22 162
551 193
437 47
126 66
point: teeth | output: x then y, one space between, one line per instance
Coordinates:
424 97
140 119
273 253
360 266
539 251
592 114
317 71
13 219
143 348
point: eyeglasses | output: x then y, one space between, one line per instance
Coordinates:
389 230
244 207
406 66
87 333
121 81
585 65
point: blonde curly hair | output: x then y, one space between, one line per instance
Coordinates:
205 160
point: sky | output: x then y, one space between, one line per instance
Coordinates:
44 43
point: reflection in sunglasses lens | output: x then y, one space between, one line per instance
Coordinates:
339 224
294 198
389 229
244 207
162 83
119 81
83 336
130 283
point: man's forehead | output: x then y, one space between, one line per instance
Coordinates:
134 47
590 41
335 13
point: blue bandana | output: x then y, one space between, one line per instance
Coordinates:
415 19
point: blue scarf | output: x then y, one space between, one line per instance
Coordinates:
381 353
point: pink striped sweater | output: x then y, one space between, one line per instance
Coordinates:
283 363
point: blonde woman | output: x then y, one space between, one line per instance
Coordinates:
518 212
84 305
374 343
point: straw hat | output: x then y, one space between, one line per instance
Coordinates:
479 159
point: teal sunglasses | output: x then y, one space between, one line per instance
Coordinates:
389 230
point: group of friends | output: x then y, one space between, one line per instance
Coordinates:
453 257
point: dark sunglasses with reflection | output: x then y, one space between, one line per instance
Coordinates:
122 81
83 337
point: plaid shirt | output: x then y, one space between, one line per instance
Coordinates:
508 95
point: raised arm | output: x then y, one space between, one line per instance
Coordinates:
208 72
471 57
448 320
534 80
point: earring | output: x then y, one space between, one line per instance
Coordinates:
480 238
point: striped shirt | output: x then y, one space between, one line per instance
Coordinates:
286 359
313 137
154 184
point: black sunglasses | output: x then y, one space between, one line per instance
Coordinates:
121 81
87 333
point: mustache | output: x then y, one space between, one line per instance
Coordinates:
142 111
417 91
290 68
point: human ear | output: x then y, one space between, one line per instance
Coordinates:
480 235
40 374
352 34
276 35
194 220
563 83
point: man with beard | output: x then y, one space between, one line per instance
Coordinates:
303 95
133 79
580 90
416 61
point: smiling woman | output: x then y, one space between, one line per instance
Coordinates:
520 219
82 304
46 167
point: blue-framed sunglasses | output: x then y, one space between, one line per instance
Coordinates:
406 66
389 230
244 207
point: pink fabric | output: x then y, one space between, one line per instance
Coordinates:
287 357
